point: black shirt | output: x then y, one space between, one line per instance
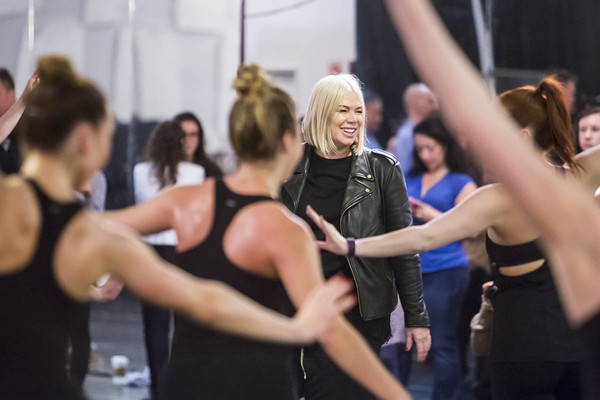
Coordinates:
324 191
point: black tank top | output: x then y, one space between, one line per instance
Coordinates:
517 254
208 260
529 322
36 315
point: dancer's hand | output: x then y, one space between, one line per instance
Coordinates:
334 241
422 210
33 80
108 288
421 338
323 305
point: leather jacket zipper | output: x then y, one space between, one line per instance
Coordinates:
347 258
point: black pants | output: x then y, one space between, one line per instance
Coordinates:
325 380
157 322
80 345
536 381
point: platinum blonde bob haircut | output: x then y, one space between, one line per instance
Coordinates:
327 95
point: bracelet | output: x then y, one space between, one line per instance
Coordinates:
351 246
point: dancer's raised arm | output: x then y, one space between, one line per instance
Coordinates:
9 120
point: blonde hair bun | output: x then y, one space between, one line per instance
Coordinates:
250 81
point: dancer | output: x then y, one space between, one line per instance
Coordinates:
570 223
571 215
235 230
53 252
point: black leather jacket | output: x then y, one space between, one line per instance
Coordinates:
375 202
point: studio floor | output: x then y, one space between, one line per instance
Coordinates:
116 329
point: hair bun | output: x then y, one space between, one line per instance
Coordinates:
250 81
55 69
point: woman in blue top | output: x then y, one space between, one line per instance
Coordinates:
436 183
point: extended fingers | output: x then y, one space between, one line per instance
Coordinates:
314 216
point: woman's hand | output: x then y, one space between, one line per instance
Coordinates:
421 338
422 210
334 241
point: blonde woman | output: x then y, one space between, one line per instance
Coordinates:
362 192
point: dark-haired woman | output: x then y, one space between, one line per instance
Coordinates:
164 166
436 183
534 352
235 230
193 144
52 251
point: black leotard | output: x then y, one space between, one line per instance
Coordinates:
206 364
36 315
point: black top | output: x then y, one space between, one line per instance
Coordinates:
324 190
529 322
590 332
36 315
513 255
208 260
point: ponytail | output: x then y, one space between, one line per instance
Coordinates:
543 109
557 131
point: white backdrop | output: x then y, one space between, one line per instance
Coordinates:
177 55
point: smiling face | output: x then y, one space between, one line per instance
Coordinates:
589 131
346 123
430 151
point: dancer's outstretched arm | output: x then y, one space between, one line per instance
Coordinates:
92 246
563 210
482 209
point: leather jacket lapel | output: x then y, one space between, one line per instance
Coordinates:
361 182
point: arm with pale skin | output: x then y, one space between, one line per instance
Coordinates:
108 248
570 223
298 265
11 117
482 209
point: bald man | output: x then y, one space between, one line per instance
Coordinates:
419 102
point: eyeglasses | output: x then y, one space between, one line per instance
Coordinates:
191 134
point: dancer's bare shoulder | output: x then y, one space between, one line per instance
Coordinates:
19 223
267 233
